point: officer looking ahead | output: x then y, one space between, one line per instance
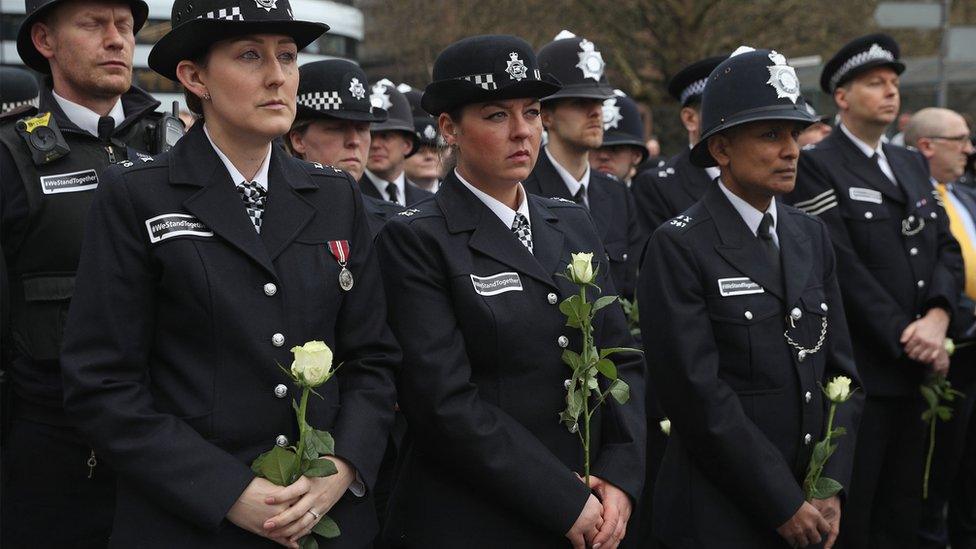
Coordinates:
51 160
746 326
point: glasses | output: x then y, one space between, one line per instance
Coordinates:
955 138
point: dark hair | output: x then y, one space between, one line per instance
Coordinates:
194 103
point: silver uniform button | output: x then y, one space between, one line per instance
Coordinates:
796 313
911 219
920 283
913 251
807 438
748 315
281 390
807 396
281 440
278 340
625 257
868 215
823 307
552 298
562 341
270 289
933 215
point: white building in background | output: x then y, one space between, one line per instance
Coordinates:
346 31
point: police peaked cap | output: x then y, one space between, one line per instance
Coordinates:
485 68
687 86
578 65
18 88
38 9
748 87
198 24
859 55
384 95
335 88
622 124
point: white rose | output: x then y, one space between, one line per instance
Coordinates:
839 389
313 363
581 269
666 426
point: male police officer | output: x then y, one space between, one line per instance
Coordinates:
89 116
623 148
744 315
573 117
900 273
424 167
665 192
18 91
393 140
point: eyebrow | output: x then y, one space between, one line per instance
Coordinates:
256 40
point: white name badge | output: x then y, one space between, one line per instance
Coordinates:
738 286
497 284
865 195
170 225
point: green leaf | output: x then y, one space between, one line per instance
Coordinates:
826 488
320 468
840 431
928 393
603 302
321 441
606 367
620 391
821 452
592 383
275 465
308 542
572 359
945 414
927 415
327 528
604 353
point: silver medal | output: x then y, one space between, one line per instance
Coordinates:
345 279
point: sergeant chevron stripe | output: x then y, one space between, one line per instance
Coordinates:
818 204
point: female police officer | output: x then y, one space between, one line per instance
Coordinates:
201 268
474 300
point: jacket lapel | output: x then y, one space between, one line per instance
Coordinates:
547 180
866 169
367 187
797 256
601 207
286 213
547 239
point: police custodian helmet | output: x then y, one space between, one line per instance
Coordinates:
578 65
385 95
749 86
622 124
485 68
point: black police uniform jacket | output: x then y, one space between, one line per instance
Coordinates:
378 212
896 257
486 462
745 411
613 211
169 362
665 192
412 193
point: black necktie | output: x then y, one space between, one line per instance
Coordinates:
765 236
392 193
580 195
106 127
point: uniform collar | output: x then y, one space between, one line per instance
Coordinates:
571 182
861 145
261 178
504 213
381 184
85 118
749 214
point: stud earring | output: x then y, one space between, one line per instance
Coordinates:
206 96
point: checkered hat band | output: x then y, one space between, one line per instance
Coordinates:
321 101
872 54
4 107
227 14
696 88
487 81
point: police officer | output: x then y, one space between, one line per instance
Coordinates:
573 118
393 140
818 130
485 465
18 91
623 139
743 314
423 168
332 124
201 268
900 272
89 115
666 192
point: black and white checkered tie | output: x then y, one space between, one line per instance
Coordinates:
254 197
523 231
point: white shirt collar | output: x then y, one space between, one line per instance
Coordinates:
85 118
261 178
380 184
749 214
504 213
713 172
571 182
865 148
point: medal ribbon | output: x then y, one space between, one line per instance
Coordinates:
340 251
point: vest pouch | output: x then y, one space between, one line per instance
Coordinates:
40 325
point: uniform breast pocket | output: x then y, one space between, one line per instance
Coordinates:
808 324
867 223
741 325
310 275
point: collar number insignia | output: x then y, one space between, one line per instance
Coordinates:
590 61
356 89
782 78
611 114
268 5
379 98
516 68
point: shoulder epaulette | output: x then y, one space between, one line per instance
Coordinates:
317 168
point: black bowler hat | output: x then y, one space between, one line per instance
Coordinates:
578 65
37 9
622 123
687 86
485 68
859 55
749 86
198 24
18 88
384 95
335 88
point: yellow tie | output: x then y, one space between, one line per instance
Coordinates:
965 242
